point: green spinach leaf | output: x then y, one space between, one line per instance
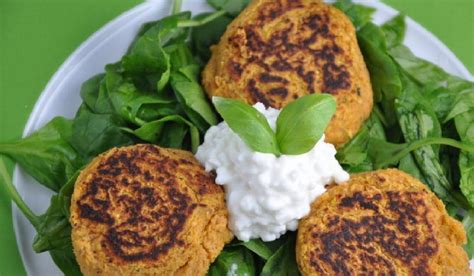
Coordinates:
462 94
47 154
128 101
53 228
394 31
233 261
233 7
449 95
421 70
192 95
174 136
204 36
354 155
180 57
283 262
66 261
147 61
408 165
384 73
96 133
418 121
257 246
359 14
465 126
454 99
468 223
153 132
95 95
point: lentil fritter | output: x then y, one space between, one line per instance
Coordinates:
278 50
147 210
384 222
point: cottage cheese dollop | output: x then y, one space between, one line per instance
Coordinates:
267 195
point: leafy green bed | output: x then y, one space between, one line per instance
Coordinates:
422 123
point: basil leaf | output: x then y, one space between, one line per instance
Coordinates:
302 123
251 126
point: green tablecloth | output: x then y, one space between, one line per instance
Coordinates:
36 36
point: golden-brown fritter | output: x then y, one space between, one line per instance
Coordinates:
385 222
146 210
278 50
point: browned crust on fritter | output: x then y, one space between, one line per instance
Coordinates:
147 210
278 50
385 222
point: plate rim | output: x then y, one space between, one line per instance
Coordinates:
119 22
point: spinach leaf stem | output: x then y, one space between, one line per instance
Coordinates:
202 21
176 6
426 142
13 193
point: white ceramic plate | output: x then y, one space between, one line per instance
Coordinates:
61 95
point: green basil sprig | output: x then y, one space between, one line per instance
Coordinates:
299 126
302 122
249 124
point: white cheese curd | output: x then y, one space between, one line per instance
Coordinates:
267 195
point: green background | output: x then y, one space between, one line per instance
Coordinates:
36 36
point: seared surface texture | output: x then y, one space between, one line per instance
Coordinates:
147 210
385 222
278 50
